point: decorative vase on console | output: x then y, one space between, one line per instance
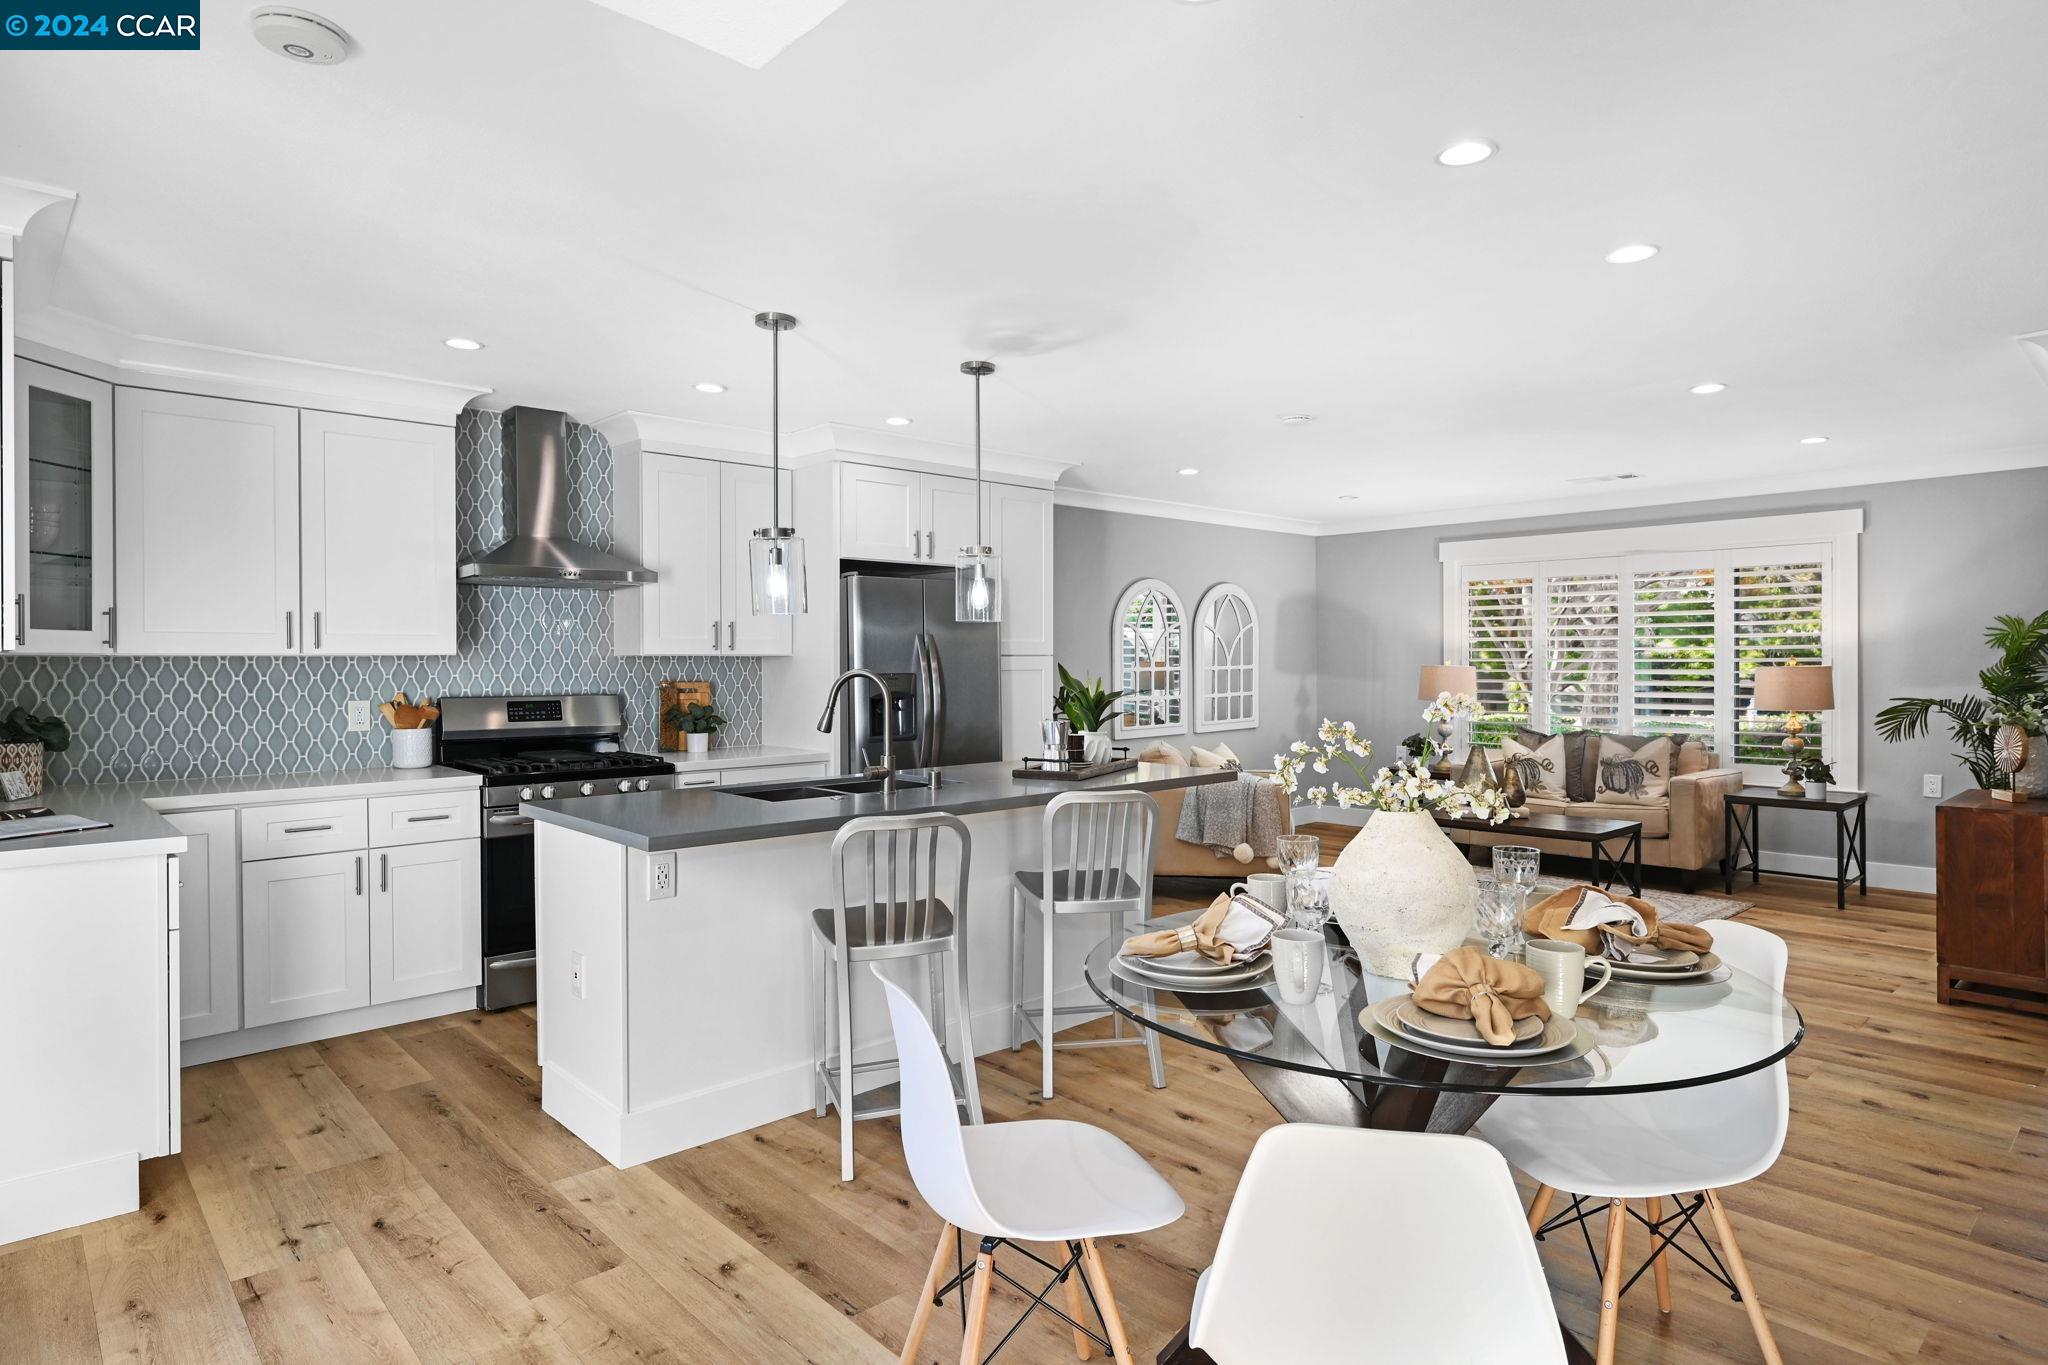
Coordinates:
1403 888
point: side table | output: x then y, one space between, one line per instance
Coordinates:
1739 815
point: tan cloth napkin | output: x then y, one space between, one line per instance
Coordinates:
1233 929
1466 983
1615 925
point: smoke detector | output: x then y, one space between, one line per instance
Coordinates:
300 37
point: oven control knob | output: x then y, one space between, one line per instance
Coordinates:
547 793
588 788
526 793
641 785
625 784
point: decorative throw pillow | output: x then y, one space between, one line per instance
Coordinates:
1581 760
1634 770
1692 758
1542 769
1159 751
1218 757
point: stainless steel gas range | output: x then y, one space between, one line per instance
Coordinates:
534 749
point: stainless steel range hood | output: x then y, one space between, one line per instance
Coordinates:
540 553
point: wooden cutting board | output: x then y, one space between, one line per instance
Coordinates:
672 695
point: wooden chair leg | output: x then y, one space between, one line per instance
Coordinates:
921 1319
977 1307
1098 1277
1660 1268
1738 1270
1077 1309
1610 1282
1539 1208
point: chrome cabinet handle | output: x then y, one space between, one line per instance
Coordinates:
702 782
109 614
732 635
714 633
359 874
316 630
383 871
931 544
306 829
288 630
20 618
425 819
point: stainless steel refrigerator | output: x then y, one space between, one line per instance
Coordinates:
944 675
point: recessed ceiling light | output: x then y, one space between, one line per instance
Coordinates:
897 421
1295 419
708 387
463 344
1708 388
1813 440
1469 152
1189 473
1632 253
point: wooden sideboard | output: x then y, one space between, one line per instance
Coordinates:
1991 915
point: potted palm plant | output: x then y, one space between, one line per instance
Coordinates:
697 724
25 738
2010 717
1089 709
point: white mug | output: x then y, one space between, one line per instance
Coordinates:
1298 964
1563 968
1269 887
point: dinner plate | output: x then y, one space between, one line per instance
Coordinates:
1705 968
1134 969
1189 963
1382 1021
1669 960
1437 1028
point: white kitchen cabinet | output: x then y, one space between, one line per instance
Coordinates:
1028 685
377 535
745 506
209 962
946 512
880 516
62 536
1020 530
426 920
206 539
305 936
690 520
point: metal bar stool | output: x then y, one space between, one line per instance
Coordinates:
893 910
1110 840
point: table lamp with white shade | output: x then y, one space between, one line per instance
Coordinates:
1437 679
1795 689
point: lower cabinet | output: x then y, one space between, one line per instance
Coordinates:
426 920
210 951
305 936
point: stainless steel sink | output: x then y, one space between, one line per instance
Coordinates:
825 788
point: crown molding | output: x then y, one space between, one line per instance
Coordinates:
63 338
21 200
825 441
1181 511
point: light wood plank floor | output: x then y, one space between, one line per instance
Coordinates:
398 1196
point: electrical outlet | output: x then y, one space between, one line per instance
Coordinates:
578 977
358 717
1930 785
661 876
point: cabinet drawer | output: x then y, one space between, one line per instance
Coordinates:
423 818
778 772
305 827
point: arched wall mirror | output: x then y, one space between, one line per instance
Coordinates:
1226 662
1151 666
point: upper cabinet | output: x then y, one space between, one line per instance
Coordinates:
377 535
63 536
206 494
1019 523
690 520
219 503
947 514
880 514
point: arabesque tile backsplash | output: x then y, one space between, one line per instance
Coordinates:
143 718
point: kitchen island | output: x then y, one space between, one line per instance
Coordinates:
675 984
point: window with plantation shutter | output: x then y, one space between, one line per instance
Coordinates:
1659 630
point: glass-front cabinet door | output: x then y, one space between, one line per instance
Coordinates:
63 536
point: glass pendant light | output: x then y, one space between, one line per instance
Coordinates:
776 553
978 573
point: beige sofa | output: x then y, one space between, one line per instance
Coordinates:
1177 859
1684 831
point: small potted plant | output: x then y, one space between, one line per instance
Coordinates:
25 738
1816 773
697 723
1090 709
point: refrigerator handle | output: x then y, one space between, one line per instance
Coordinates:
936 751
921 709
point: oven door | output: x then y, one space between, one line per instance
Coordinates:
509 960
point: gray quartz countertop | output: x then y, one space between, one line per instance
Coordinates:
655 821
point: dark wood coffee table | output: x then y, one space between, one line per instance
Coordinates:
1597 833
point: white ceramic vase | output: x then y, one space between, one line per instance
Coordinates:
1095 745
1403 888
412 748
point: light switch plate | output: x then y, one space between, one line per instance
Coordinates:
1930 785
358 717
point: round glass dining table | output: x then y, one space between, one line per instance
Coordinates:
1631 1038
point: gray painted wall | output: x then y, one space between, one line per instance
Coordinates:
1939 558
1102 553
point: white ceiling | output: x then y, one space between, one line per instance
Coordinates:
1167 223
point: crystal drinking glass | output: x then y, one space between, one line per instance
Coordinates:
1499 920
1514 867
1309 903
1298 850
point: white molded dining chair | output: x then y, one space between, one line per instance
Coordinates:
1111 841
1038 1180
1655 1146
1352 1244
